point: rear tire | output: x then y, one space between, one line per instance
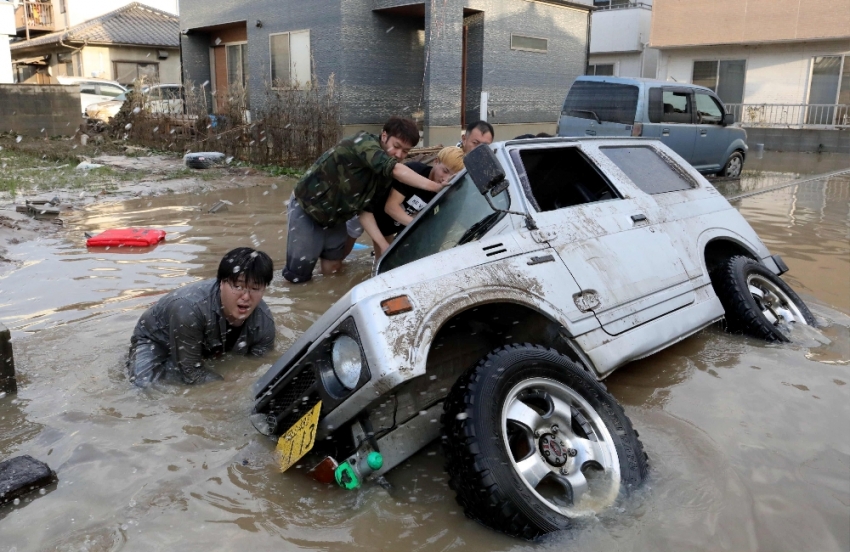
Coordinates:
532 441
757 302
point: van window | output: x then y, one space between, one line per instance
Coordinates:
707 109
555 178
615 103
676 107
88 88
648 170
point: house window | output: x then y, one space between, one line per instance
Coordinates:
126 72
237 65
723 77
830 84
529 43
290 59
601 69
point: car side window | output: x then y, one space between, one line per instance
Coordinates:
676 107
649 171
555 178
708 110
110 90
88 88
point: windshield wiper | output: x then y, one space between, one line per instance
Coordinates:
479 228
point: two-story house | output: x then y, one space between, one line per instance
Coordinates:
773 61
134 41
432 58
619 39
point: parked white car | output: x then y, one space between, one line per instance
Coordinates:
547 264
93 91
159 98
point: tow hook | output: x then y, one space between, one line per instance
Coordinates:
351 473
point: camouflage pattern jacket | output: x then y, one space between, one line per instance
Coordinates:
344 179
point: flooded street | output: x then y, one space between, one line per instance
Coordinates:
748 442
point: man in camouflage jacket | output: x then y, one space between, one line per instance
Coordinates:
339 185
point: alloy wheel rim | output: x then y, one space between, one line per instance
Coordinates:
775 305
560 447
735 166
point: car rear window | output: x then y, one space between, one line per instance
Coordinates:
648 170
612 102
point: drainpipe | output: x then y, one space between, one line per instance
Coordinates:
587 50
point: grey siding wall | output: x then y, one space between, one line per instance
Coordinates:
383 59
529 87
379 59
321 17
40 110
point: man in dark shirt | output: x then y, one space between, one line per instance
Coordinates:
205 319
339 185
388 214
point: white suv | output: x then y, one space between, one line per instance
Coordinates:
93 90
546 265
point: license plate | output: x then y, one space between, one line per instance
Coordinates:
298 439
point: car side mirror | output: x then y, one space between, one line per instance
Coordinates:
485 170
728 119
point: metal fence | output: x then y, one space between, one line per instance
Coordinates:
619 5
791 115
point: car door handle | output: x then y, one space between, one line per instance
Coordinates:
590 132
640 217
542 259
703 132
665 132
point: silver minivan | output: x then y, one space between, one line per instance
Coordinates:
689 119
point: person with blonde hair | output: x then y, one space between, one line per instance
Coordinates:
384 218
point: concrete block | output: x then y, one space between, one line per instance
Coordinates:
8 384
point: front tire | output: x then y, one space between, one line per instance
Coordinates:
532 441
734 165
757 302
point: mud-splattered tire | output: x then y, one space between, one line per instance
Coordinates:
756 301
203 160
734 165
510 469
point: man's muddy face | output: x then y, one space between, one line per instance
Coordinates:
472 140
395 147
239 300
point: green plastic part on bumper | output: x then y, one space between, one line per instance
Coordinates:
375 460
346 477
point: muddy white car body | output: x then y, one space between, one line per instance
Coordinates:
612 271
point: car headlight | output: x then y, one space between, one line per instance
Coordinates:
347 362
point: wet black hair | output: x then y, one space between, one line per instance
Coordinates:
403 129
483 126
255 265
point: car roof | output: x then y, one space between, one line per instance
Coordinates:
639 81
570 140
78 80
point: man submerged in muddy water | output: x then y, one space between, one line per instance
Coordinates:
204 320
339 185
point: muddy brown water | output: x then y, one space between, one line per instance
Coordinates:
749 443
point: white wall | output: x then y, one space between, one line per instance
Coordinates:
83 10
7 29
97 61
629 64
776 73
621 30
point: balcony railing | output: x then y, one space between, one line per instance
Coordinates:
34 17
791 115
619 5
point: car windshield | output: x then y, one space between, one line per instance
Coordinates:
456 216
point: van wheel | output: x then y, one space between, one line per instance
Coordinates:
734 165
757 302
532 441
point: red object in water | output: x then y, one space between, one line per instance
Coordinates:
128 237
